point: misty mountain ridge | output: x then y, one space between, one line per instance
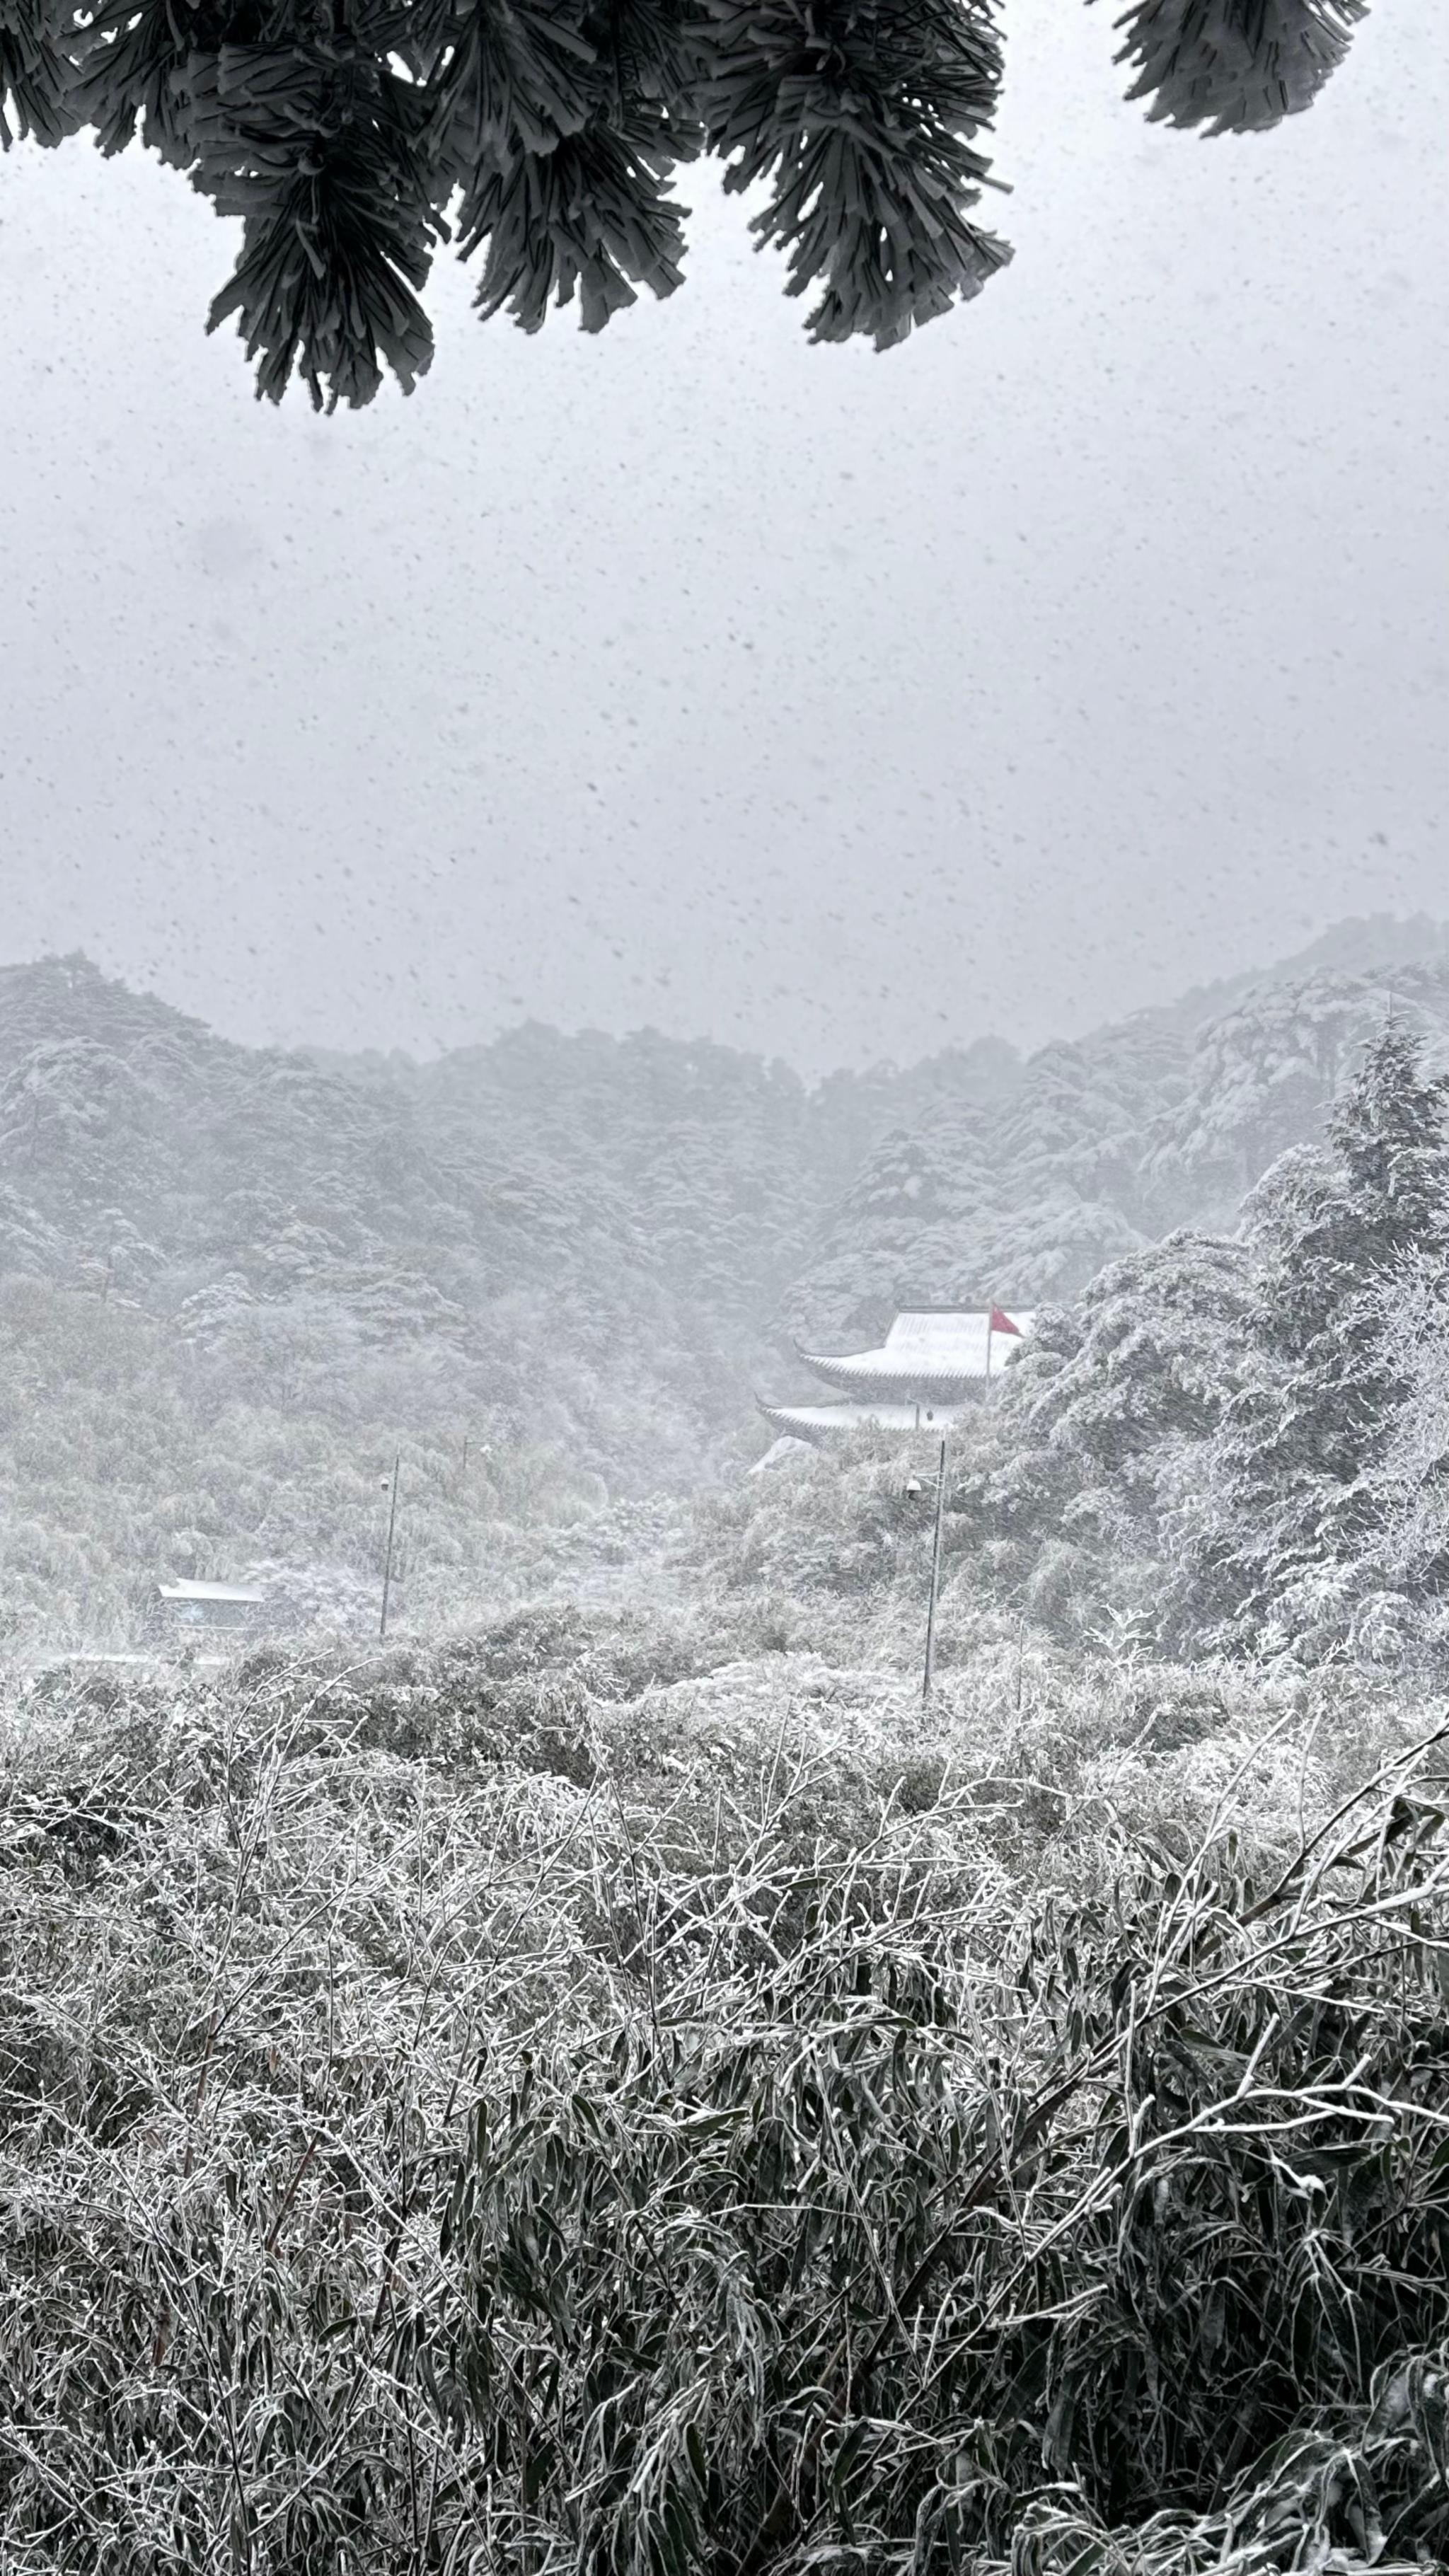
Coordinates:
629 1183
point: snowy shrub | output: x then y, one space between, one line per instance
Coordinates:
869 2235
275 1940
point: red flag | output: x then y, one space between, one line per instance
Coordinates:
1002 1323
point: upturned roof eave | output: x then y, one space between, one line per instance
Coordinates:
856 1373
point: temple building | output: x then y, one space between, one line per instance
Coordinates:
193 1606
935 1363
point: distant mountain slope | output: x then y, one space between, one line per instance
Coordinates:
582 1233
599 1241
1372 945
1166 1119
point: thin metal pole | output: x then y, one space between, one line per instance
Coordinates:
391 1526
935 1576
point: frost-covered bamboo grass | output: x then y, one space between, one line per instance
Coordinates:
274 1942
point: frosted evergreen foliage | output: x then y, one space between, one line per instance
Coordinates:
858 113
1414 1481
1284 1523
35 72
351 136
1102 1416
322 157
1235 66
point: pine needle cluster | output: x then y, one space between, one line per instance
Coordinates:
351 137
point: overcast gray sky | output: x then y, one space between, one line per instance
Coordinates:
1090 646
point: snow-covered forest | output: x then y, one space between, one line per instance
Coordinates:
553 1271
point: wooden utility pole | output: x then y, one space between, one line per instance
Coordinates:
935 1576
387 1561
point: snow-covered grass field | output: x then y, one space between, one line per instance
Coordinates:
275 1937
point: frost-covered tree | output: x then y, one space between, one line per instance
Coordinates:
1411 1481
351 137
1066 1488
1283 1520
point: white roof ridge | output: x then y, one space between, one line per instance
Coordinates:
185 1590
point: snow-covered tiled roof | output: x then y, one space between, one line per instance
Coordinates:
240 1593
928 1345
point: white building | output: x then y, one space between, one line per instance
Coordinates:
935 1364
194 1607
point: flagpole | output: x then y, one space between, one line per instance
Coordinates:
391 1526
935 1577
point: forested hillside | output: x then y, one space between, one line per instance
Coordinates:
1099 1147
550 1269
